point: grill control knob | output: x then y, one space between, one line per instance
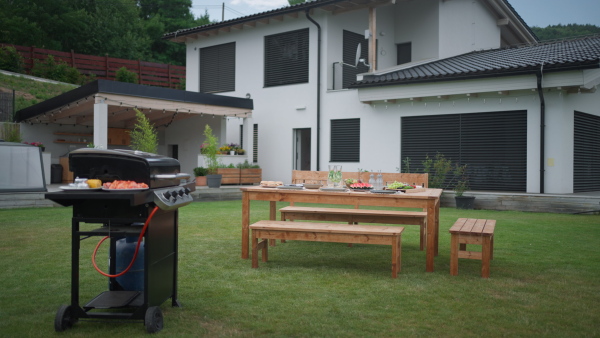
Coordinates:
181 193
167 194
187 191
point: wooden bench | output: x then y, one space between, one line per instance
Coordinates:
326 232
353 216
472 231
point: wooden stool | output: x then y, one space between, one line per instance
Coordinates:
472 231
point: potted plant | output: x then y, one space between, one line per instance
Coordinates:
462 185
249 173
200 173
213 179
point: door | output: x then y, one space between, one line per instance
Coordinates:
302 149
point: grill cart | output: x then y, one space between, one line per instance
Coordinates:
126 218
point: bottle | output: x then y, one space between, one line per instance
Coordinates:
372 180
379 184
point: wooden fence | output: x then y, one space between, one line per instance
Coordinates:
104 67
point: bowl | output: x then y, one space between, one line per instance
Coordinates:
312 186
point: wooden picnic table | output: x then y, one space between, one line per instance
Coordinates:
427 199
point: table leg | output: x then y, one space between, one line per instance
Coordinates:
437 225
431 235
272 217
245 223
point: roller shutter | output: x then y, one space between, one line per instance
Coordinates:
586 153
493 145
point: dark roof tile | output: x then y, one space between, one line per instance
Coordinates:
559 55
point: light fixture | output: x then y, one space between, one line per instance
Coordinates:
248 95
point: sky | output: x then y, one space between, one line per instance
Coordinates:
540 13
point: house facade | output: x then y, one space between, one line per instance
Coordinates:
429 77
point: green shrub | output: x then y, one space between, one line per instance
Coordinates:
200 171
56 70
11 132
124 75
11 60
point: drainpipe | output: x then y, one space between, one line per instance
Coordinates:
539 76
318 89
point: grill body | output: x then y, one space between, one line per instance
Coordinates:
120 214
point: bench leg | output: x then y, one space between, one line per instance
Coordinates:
396 255
262 245
454 254
486 253
423 234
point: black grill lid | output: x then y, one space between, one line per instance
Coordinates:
122 164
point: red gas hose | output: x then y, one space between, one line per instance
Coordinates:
137 248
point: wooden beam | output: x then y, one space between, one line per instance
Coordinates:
373 39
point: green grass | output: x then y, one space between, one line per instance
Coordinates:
545 280
29 92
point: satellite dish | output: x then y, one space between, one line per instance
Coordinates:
358 52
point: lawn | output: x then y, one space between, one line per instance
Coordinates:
545 280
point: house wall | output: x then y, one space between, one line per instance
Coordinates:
466 26
436 29
417 22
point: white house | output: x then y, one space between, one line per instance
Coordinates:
466 78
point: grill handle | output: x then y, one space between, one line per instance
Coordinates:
178 176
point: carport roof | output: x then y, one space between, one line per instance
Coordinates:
162 106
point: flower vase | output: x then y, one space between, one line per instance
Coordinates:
334 177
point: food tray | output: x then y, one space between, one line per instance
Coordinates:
387 191
333 189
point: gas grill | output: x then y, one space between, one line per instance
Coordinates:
122 216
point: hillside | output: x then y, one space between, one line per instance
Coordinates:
30 90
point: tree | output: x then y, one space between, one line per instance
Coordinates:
143 135
559 31
295 2
164 16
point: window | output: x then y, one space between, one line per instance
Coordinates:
403 53
242 136
351 41
586 154
255 146
345 140
217 68
286 58
492 145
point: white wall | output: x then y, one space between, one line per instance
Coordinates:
466 26
417 22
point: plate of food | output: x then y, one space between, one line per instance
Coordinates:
270 184
361 186
124 186
73 188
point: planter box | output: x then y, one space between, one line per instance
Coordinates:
230 175
251 176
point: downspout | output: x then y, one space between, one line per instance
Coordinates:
318 89
539 76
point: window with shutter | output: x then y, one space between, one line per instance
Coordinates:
255 145
286 58
586 153
492 145
217 68
345 140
